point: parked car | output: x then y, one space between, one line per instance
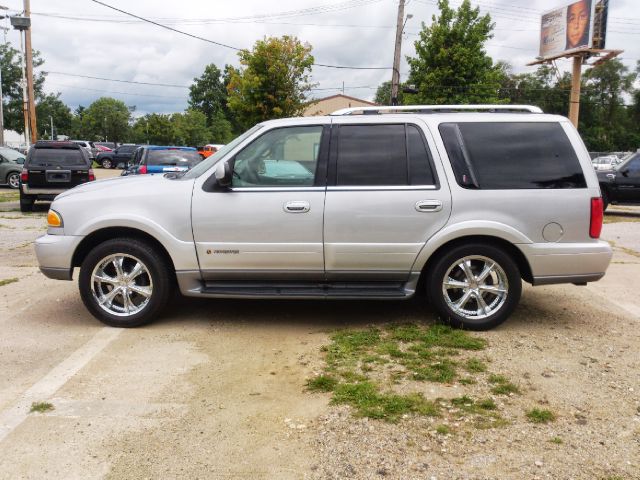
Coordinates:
109 145
621 185
10 166
102 148
88 146
52 168
120 157
162 159
463 204
607 162
208 150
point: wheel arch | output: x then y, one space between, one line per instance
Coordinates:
101 235
513 251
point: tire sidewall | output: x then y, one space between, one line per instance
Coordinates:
106 163
17 176
156 266
439 269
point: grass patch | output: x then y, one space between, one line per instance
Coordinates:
7 281
612 218
443 429
556 440
41 407
502 385
537 415
475 365
9 197
322 383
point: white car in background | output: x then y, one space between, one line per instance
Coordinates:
607 162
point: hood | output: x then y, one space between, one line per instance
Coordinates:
110 186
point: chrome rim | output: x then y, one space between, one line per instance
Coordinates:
106 164
14 180
475 287
121 285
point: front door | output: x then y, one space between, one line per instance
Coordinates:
383 201
268 224
628 180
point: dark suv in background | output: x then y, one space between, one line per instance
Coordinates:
52 168
120 157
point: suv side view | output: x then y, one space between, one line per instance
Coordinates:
464 202
51 168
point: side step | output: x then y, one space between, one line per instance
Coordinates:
302 290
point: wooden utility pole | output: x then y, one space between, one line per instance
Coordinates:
395 77
574 99
30 91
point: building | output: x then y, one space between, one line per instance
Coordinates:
326 105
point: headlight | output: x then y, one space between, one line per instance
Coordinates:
54 219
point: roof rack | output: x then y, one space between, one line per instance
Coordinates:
437 109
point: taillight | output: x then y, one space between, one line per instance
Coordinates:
24 175
142 169
92 176
597 212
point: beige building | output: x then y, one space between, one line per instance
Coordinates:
326 105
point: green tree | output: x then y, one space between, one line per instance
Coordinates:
10 63
154 129
272 82
208 93
51 107
191 128
383 94
451 65
107 119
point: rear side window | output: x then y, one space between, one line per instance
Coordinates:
382 155
173 157
515 155
47 157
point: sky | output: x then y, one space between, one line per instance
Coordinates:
82 37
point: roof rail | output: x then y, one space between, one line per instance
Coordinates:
437 109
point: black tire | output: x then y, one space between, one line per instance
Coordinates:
605 199
435 279
13 180
107 163
159 274
26 203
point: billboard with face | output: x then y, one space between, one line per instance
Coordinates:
567 29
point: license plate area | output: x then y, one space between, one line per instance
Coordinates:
58 176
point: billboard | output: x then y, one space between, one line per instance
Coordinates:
567 29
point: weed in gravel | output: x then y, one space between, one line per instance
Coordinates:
443 429
475 365
537 415
502 385
7 281
467 381
556 440
322 383
41 407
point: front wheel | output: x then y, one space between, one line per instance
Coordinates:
124 282
107 163
474 286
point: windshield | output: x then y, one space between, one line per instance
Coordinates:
44 157
203 166
173 157
12 155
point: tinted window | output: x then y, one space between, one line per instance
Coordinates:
57 156
372 155
127 149
173 157
280 157
513 155
419 160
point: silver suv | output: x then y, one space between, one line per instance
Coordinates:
461 202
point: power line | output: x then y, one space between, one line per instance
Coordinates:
225 45
113 91
116 80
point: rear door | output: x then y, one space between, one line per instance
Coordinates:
384 199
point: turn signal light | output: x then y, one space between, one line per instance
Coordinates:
597 213
142 169
54 219
24 175
92 176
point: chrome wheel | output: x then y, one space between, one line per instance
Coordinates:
475 287
121 284
14 180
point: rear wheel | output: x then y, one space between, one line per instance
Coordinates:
474 286
107 163
26 203
13 180
124 282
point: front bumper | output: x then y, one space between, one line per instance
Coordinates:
567 262
55 255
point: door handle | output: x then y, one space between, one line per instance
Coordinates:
429 206
296 207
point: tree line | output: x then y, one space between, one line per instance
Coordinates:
450 66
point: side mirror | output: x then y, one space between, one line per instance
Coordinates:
224 174
625 172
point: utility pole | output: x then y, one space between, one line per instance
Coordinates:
25 97
395 76
51 119
30 92
1 104
574 98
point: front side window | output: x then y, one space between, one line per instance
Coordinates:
281 157
512 155
382 155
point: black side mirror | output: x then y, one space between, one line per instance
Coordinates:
224 174
625 172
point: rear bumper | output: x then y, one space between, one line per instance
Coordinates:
42 191
567 262
55 255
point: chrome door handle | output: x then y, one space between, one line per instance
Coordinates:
429 206
296 207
